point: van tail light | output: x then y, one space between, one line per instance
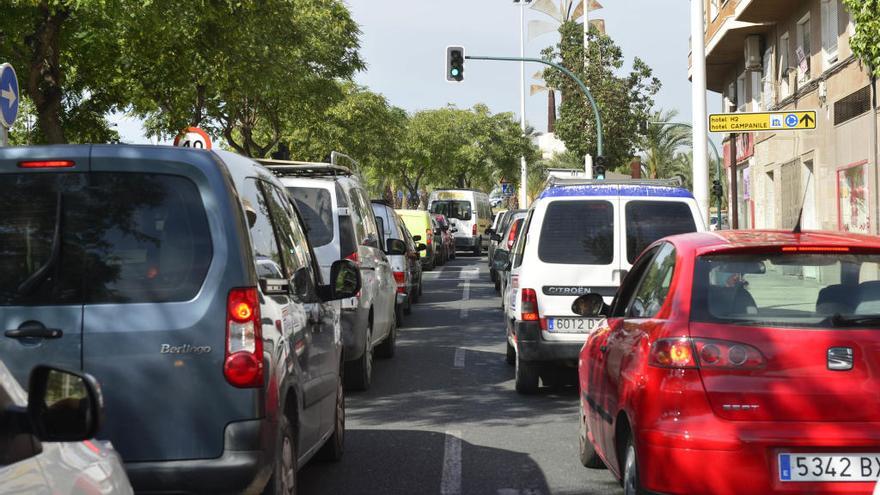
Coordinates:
706 354
474 230
400 278
354 257
46 164
529 309
512 235
243 364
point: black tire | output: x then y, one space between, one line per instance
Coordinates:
631 485
283 480
493 276
527 376
452 254
420 288
359 373
478 248
511 355
385 350
498 286
334 448
430 266
407 310
399 311
586 452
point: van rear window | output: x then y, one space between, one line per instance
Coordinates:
578 233
316 208
648 221
101 238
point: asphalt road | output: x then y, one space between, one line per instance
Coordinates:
442 416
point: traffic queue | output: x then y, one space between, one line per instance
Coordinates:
725 362
202 312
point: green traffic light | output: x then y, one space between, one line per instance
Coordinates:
454 72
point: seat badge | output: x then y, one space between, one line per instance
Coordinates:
840 358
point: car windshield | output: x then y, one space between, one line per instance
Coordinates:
793 289
453 209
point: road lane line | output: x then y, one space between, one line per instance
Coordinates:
508 491
458 361
465 295
450 483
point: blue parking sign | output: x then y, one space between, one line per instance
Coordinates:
791 120
8 95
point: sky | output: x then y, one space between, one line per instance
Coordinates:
403 43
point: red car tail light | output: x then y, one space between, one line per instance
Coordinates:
243 365
511 237
400 278
706 354
46 164
721 354
429 236
354 257
529 301
474 230
672 353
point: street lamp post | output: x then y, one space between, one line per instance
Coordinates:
698 101
523 168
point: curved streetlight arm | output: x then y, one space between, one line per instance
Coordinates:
599 143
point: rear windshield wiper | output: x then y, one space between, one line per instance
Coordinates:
41 273
838 320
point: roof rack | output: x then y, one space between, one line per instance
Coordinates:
286 168
559 181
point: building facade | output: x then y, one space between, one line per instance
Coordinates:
783 55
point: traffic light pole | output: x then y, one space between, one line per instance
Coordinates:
599 144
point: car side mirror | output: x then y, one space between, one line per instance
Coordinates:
395 247
489 231
417 238
345 280
501 260
63 406
590 305
496 237
454 230
303 285
421 247
371 241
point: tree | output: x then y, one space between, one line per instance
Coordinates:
65 53
251 70
662 144
866 42
623 101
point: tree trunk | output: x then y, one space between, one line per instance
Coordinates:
551 111
44 81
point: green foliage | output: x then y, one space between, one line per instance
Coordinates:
65 54
866 42
662 144
623 101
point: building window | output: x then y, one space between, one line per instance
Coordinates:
756 91
804 48
713 9
829 32
741 93
784 48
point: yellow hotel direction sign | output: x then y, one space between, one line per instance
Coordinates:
765 121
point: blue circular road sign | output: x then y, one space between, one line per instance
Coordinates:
791 120
8 95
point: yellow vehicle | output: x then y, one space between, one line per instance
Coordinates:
420 225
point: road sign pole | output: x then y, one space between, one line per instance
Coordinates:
698 104
4 137
734 185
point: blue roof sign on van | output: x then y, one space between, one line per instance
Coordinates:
643 190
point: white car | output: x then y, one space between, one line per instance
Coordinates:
341 225
580 237
469 212
46 436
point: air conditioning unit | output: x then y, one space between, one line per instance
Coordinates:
753 52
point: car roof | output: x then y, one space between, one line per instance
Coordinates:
637 190
732 240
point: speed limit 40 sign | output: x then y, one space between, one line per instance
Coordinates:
193 137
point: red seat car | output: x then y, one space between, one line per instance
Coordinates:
738 362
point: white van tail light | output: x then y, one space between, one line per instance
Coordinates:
243 364
474 230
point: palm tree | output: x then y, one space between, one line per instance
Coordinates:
662 144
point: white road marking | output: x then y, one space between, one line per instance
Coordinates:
450 483
458 360
465 295
508 491
471 273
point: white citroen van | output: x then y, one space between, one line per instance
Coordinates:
469 212
580 237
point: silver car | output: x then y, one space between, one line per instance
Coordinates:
46 436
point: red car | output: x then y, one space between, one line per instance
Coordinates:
738 362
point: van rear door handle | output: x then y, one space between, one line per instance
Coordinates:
34 333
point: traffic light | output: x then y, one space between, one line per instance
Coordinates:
717 189
600 165
454 63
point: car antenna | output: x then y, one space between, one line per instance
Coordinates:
797 226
